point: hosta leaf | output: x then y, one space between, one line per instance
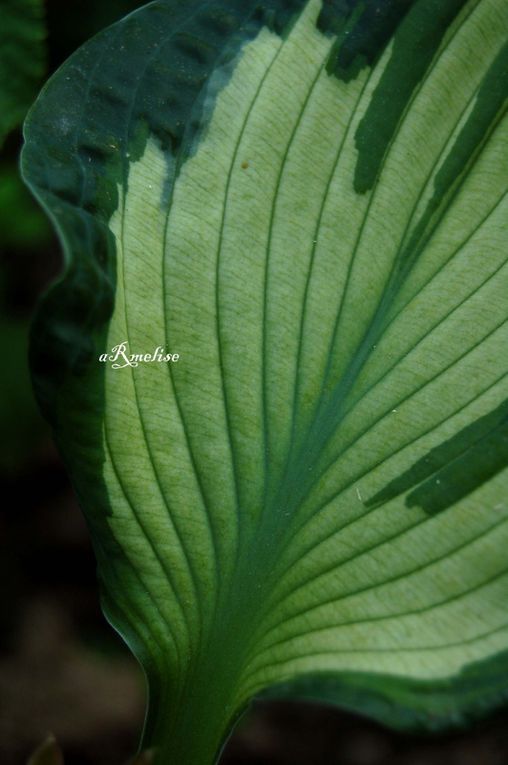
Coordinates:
22 59
308 205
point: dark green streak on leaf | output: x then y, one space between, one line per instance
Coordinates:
415 44
335 13
364 40
489 106
480 463
454 468
276 15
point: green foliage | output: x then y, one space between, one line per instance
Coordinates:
22 65
22 223
307 205
22 59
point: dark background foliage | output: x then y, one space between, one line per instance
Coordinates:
62 669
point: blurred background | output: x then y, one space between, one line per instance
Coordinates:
62 669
